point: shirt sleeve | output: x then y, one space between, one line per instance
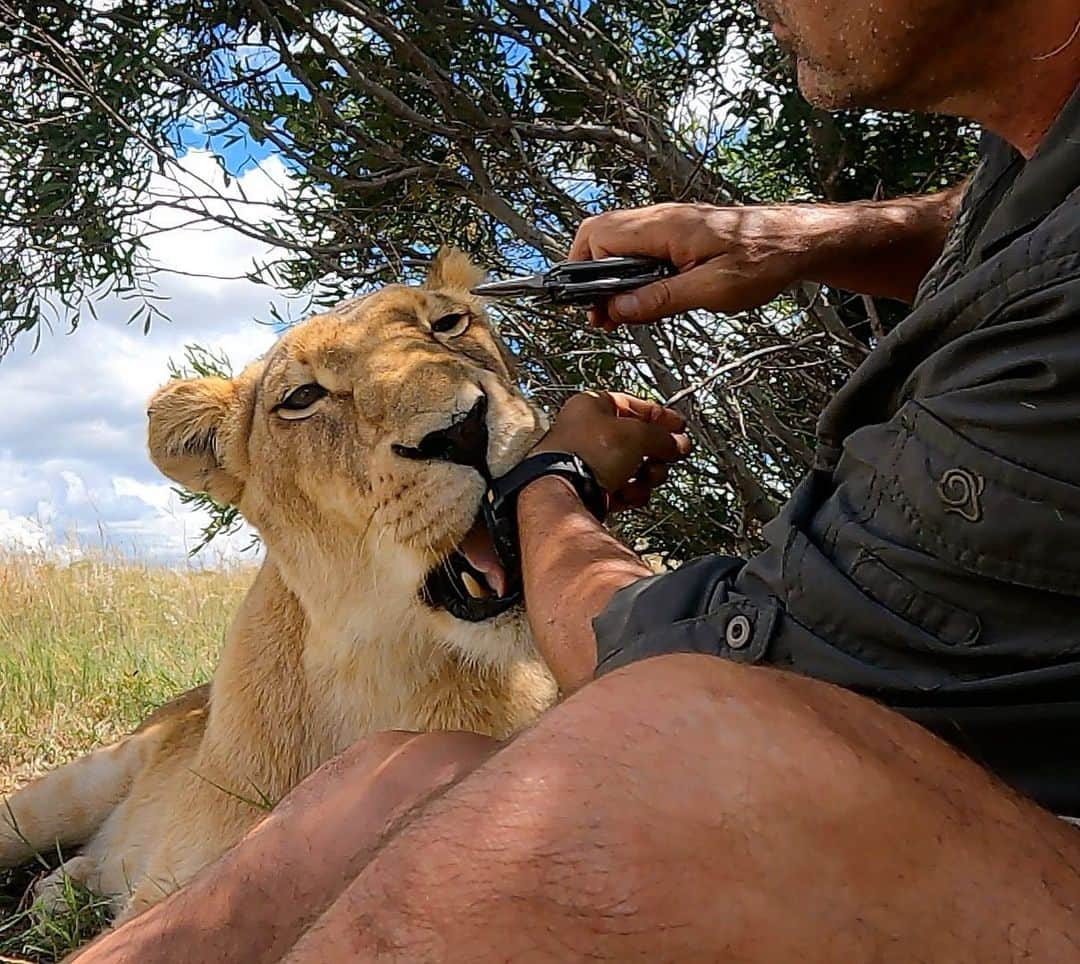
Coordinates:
689 610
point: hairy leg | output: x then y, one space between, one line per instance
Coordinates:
696 810
254 903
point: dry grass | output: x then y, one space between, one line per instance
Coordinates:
86 651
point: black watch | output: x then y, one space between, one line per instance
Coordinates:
500 500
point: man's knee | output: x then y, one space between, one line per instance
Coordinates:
678 803
755 736
625 809
670 744
664 685
687 704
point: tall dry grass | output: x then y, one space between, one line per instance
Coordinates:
88 648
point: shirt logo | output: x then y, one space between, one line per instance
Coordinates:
959 490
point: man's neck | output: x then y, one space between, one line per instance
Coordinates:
1036 70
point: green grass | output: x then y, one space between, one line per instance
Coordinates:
28 933
86 651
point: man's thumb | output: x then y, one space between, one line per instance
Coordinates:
658 300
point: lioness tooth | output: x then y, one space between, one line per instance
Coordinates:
475 589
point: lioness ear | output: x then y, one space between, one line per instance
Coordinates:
453 269
184 436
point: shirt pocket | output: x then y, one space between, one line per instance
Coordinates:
980 511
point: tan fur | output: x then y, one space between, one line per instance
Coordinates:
332 641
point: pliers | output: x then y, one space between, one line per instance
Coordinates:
580 282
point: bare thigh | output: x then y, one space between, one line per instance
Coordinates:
689 809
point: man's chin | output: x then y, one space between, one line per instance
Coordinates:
828 91
832 89
820 87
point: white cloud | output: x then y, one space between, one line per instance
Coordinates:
23 532
206 254
157 494
73 464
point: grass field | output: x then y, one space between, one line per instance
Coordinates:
86 651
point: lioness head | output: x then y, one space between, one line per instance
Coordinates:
359 447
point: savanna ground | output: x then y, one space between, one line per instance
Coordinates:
87 649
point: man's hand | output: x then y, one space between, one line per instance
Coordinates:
729 259
570 564
734 258
627 442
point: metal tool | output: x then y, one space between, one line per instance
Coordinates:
580 282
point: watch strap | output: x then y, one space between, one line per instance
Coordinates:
565 465
500 500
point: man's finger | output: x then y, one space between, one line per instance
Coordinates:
623 233
579 250
598 318
701 287
654 473
639 489
654 442
584 247
633 495
647 411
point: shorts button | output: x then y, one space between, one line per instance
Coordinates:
737 633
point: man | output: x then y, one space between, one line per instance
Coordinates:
688 807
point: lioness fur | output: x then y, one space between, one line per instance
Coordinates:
332 641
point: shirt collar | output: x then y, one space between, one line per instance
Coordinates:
1048 177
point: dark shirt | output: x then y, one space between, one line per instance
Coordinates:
931 559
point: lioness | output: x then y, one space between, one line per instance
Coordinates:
356 447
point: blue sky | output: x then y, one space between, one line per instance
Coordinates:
238 156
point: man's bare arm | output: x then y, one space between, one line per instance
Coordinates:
885 248
571 565
571 568
734 258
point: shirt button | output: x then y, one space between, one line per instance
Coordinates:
737 633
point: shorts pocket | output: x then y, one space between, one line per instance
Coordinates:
942 620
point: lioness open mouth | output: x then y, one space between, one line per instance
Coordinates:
471 583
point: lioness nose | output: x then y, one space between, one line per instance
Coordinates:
464 441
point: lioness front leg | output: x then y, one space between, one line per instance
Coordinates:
199 823
51 892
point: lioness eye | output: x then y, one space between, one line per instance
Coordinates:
450 326
300 398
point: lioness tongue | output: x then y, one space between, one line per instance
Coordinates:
479 550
